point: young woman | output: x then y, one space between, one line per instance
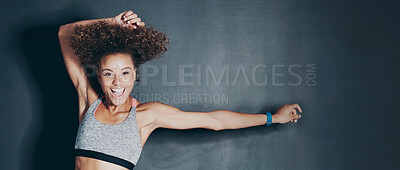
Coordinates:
113 126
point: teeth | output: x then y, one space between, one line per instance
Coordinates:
118 90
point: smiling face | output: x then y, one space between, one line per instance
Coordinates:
117 76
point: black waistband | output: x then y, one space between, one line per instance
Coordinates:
104 157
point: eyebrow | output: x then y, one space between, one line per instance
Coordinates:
106 69
126 68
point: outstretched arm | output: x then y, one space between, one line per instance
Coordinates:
166 116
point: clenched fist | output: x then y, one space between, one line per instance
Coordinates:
287 113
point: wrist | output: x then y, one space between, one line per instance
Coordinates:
268 118
111 20
275 118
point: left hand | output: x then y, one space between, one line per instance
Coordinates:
128 19
287 113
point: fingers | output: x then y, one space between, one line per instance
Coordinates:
129 17
297 107
291 112
141 24
294 112
126 14
134 25
131 20
297 117
121 15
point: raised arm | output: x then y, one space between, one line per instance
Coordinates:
166 116
73 64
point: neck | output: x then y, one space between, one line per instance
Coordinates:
125 107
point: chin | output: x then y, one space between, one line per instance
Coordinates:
118 101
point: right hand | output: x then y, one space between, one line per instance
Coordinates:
128 19
287 113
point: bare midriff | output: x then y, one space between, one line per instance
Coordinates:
85 163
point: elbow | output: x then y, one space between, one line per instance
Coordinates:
217 129
220 126
217 122
63 29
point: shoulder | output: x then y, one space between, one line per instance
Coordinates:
150 112
156 107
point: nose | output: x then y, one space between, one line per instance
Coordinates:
117 80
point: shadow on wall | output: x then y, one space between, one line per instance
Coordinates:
54 146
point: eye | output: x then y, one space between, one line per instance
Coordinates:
107 74
125 73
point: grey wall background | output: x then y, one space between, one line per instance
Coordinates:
350 116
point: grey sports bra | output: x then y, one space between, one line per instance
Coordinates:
119 144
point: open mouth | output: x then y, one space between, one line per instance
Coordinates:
117 93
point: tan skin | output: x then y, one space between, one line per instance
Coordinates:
117 71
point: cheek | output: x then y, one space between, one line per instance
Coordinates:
129 80
105 82
126 80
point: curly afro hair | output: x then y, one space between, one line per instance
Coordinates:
94 41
